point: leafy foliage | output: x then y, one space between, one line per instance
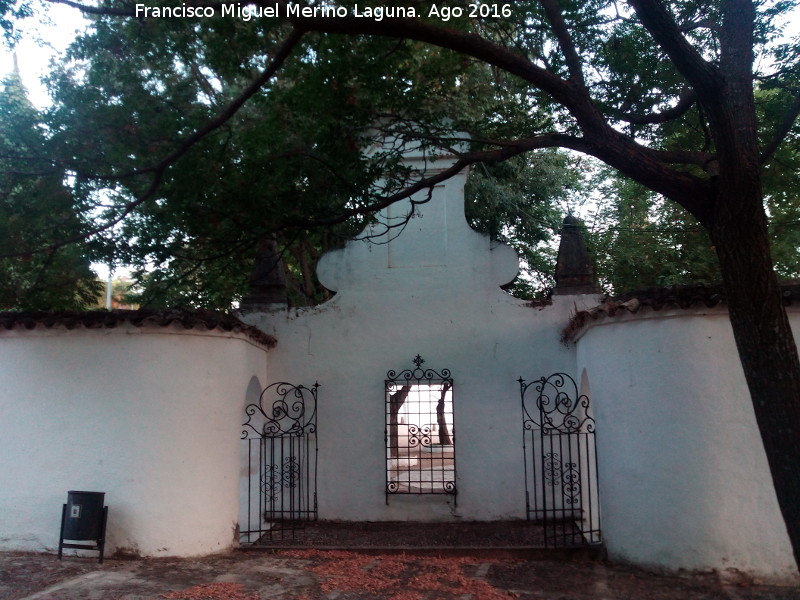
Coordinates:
289 162
519 202
641 242
36 211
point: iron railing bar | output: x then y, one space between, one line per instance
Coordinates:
525 453
545 503
567 488
292 484
262 472
271 498
589 520
282 496
304 489
249 488
597 478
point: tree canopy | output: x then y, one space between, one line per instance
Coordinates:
288 163
176 135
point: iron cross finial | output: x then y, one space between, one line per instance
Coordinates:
418 361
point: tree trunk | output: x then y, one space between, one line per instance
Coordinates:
444 433
764 338
396 402
760 325
768 355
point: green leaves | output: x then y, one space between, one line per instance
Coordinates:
289 162
518 201
36 214
640 241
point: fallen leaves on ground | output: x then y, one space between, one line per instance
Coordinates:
399 577
212 591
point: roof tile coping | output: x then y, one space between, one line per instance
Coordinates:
108 319
682 297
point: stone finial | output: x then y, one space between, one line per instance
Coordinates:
267 280
574 273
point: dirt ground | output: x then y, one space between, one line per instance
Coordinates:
373 561
308 574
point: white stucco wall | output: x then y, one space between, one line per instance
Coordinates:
151 416
434 291
684 479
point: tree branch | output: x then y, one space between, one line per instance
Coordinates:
469 44
573 61
782 130
283 52
701 74
509 149
600 139
686 100
685 157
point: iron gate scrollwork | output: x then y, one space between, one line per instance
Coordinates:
419 431
560 462
280 438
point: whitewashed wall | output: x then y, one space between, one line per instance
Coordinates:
684 479
434 291
151 416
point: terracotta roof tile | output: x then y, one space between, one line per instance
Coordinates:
101 319
674 297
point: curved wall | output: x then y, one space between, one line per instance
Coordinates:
151 416
684 479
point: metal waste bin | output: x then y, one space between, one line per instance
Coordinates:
83 519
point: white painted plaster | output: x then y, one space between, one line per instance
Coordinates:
683 474
150 416
433 290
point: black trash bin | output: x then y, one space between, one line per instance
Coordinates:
83 522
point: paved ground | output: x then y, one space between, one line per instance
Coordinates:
340 575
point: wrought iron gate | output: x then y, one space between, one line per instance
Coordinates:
419 432
280 441
560 462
